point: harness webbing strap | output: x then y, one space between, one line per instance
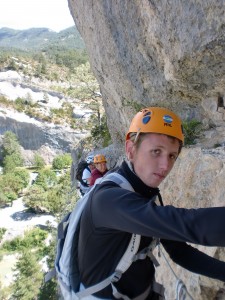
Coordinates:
148 252
143 295
159 289
95 288
122 266
119 295
127 258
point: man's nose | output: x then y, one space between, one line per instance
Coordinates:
165 163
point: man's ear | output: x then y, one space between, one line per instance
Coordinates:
129 147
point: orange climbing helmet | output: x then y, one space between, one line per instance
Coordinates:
99 158
157 120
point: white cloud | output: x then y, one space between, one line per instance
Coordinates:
24 14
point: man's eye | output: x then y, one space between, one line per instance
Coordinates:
156 152
173 156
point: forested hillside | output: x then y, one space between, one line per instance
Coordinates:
40 38
52 64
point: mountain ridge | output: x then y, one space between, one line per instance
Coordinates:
40 38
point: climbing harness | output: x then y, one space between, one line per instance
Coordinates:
181 290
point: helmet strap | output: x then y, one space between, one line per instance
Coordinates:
137 135
130 165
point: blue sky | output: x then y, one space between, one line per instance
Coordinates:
24 14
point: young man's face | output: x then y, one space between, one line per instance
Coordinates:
154 158
101 167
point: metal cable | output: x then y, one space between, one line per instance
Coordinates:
181 290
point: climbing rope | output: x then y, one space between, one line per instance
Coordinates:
181 290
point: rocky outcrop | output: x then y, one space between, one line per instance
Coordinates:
36 136
144 53
197 180
171 54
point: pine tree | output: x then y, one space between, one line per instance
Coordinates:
28 277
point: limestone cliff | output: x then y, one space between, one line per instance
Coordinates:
48 139
168 53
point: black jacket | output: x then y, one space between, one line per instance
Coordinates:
113 214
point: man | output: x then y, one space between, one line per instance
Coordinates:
113 214
100 168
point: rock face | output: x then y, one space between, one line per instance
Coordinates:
171 54
143 53
48 139
35 136
196 181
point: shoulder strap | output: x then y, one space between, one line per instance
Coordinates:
73 221
127 258
118 179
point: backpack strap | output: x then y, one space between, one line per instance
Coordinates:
118 179
148 252
122 266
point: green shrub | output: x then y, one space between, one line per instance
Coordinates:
23 177
28 277
11 184
10 196
33 238
57 200
2 232
10 143
100 132
12 156
35 198
192 131
62 161
3 199
20 104
39 162
46 179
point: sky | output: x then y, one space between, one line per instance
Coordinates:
24 14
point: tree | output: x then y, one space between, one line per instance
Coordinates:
10 162
35 198
46 179
11 185
62 161
100 133
12 65
49 289
23 177
10 143
89 86
57 199
28 277
39 162
11 152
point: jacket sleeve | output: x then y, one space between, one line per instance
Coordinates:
202 226
194 260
